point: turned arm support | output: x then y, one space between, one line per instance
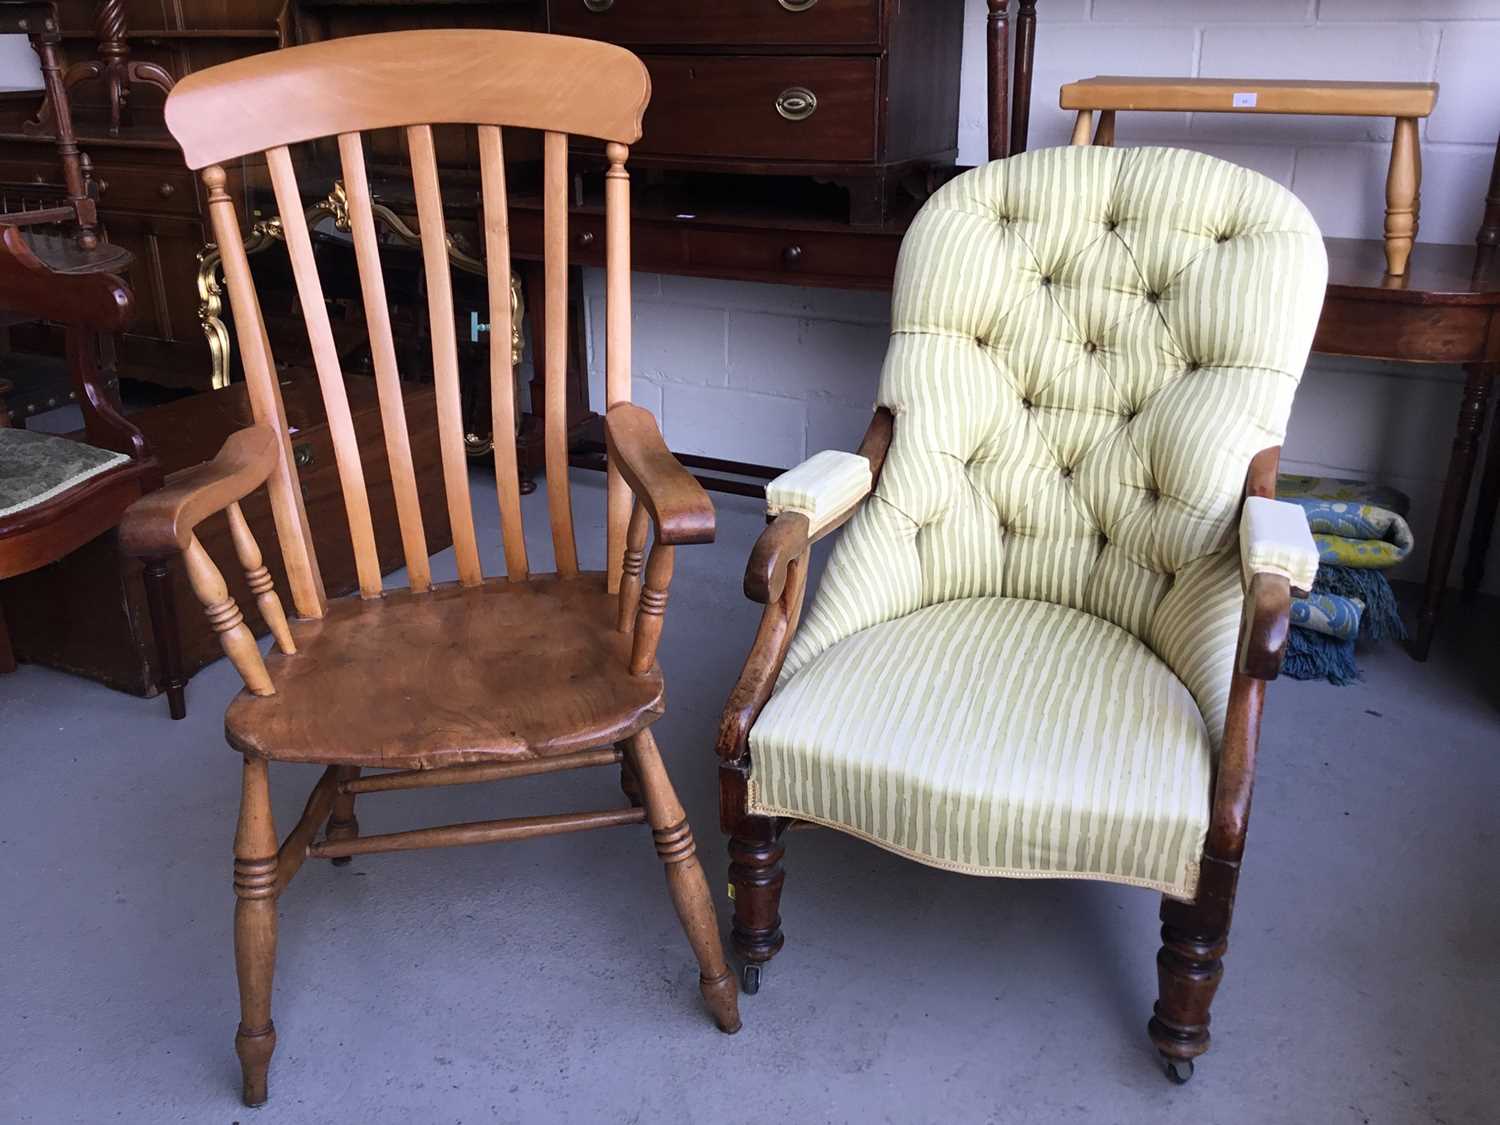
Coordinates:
776 577
162 522
668 498
1278 559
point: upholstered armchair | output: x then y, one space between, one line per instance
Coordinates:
1040 645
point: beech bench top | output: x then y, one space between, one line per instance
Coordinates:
1252 95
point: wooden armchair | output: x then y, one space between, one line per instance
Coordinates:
1038 650
57 494
492 677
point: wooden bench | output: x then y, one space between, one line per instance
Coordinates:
1406 102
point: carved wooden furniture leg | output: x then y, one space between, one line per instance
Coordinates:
755 873
1194 937
630 785
162 606
255 929
342 823
685 880
1485 510
1403 194
1451 507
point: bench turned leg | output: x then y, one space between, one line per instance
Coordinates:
685 880
255 929
1403 193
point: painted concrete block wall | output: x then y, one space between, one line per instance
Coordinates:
770 374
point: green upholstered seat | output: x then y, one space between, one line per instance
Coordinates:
35 467
1088 346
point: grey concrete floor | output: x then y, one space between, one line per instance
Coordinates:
548 981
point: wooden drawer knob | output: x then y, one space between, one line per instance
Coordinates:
585 238
792 256
796 5
166 191
796 103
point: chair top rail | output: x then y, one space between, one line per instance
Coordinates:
396 79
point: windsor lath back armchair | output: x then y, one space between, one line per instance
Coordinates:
488 678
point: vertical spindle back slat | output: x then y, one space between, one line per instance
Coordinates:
555 347
616 340
330 372
444 351
303 576
346 88
502 381
383 353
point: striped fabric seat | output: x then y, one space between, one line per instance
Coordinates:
1088 347
1032 739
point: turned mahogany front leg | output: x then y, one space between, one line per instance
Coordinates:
755 873
1189 966
255 929
685 880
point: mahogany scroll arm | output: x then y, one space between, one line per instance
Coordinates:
676 502
162 523
776 577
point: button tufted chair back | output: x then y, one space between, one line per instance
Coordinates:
1088 346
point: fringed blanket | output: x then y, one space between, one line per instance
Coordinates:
1360 531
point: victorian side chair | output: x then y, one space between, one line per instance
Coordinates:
1039 647
492 677
57 494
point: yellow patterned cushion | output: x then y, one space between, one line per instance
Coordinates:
821 488
997 737
1088 346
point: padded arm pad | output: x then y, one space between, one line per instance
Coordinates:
1275 539
822 488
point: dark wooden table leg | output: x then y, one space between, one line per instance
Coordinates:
1451 509
1484 514
7 654
163 608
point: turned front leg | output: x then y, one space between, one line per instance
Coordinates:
255 929
685 880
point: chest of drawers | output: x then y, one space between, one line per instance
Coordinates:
862 93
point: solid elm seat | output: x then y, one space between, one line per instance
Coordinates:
1406 102
476 681
36 467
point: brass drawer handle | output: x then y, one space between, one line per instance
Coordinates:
598 5
797 103
796 5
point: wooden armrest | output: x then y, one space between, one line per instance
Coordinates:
161 523
1266 625
676 502
784 540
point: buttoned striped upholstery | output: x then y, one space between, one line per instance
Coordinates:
1088 346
